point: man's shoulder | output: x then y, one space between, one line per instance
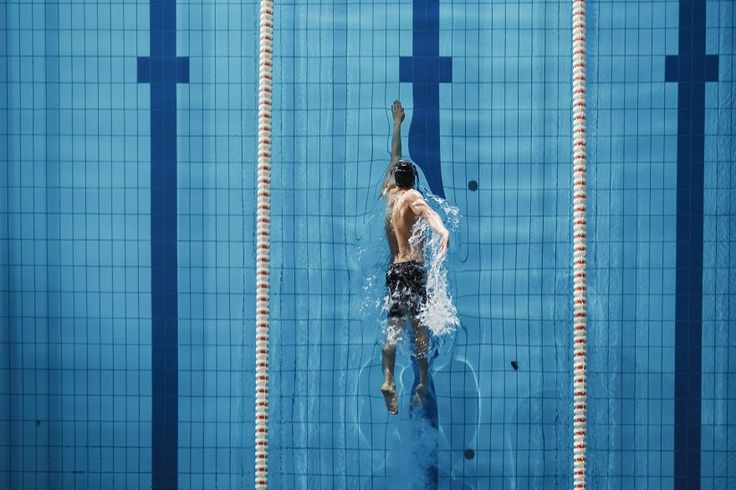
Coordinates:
414 195
414 200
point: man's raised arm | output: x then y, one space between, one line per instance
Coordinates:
397 112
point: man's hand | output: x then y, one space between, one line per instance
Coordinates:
398 112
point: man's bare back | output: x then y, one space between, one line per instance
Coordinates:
404 207
400 222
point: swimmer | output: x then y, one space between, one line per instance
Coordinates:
405 278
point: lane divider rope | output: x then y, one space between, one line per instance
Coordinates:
265 65
263 230
580 332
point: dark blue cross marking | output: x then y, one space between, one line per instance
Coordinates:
426 70
163 70
691 68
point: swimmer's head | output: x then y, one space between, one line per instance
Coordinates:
405 174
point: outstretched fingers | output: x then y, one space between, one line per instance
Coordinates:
398 111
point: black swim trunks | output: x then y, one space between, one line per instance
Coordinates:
407 288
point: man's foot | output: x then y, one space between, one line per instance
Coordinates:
389 396
418 398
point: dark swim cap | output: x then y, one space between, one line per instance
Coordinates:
405 174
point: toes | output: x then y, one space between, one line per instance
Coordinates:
416 402
418 397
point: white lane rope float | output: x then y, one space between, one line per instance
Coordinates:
263 230
580 334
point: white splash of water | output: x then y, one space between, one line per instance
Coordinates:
439 313
451 213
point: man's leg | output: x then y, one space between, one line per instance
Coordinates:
389 361
421 345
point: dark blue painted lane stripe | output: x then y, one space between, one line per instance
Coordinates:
691 68
163 70
426 70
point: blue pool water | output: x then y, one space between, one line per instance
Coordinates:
127 253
